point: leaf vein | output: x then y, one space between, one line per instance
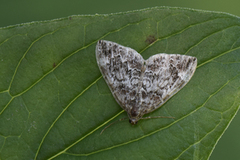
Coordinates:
137 139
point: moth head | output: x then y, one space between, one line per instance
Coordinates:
133 121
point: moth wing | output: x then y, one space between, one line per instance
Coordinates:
121 68
164 76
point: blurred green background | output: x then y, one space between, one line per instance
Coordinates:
15 12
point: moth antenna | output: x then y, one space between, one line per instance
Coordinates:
156 117
112 124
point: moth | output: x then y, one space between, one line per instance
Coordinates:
141 86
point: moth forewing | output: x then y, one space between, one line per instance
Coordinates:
141 86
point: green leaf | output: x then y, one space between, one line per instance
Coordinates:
54 102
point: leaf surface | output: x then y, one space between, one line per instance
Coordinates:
54 102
